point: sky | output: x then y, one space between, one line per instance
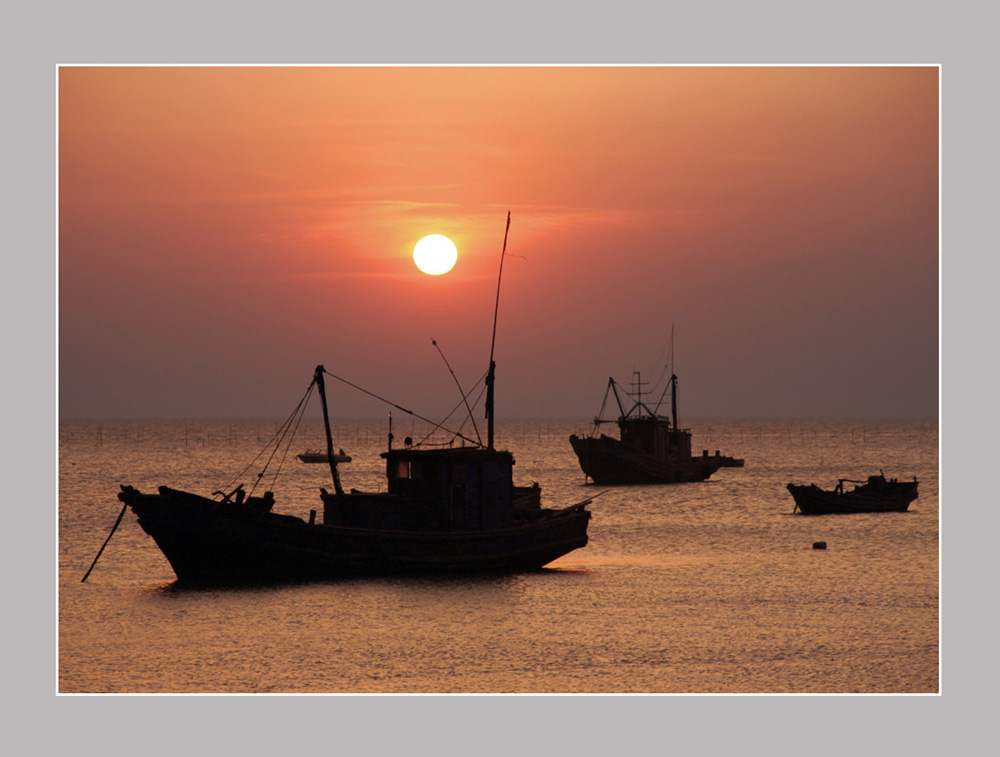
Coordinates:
774 230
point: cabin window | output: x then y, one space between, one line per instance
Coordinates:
404 469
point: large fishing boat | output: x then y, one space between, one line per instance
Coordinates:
446 509
652 449
876 495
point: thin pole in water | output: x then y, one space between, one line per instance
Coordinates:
101 550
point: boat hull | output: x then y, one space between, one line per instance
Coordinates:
322 457
894 497
609 462
206 541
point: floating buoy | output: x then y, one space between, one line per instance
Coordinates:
819 545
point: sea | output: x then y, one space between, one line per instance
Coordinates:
715 587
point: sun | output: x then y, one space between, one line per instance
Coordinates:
435 254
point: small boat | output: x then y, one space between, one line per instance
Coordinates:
322 456
652 449
728 462
445 509
876 495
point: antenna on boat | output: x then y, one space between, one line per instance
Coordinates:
491 375
318 378
637 384
460 391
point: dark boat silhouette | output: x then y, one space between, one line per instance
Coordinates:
446 510
449 509
876 495
652 449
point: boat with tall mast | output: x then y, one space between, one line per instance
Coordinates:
445 509
653 448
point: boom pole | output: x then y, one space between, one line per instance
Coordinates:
318 378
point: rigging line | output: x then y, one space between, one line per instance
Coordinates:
664 361
256 458
399 407
670 382
434 430
600 416
431 432
614 387
460 391
277 434
654 387
274 452
274 438
288 445
475 404
482 391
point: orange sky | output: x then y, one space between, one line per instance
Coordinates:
223 230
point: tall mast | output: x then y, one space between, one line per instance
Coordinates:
673 379
673 399
318 378
491 374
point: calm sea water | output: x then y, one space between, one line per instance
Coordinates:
694 588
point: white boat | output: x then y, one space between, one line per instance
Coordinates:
320 456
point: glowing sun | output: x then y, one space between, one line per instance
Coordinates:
435 254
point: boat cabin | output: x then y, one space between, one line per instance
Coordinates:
464 489
655 437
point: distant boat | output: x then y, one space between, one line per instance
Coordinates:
445 509
728 462
876 495
652 448
321 456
